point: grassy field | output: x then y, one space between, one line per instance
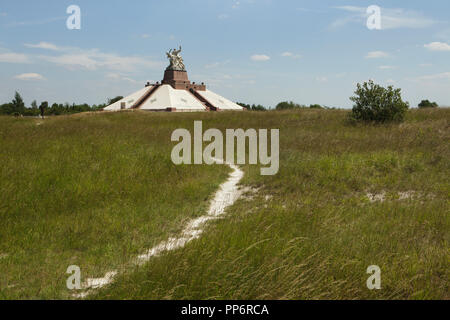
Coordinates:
92 191
95 190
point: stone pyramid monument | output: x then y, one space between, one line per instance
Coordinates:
175 93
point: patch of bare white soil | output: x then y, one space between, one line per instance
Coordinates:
376 197
406 195
226 196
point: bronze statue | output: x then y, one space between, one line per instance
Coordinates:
176 61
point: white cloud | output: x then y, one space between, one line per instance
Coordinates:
129 80
12 57
93 59
322 79
43 45
217 64
438 76
119 77
435 80
260 57
423 65
223 16
29 76
145 36
438 46
352 9
73 61
74 58
377 55
391 18
387 67
401 18
291 55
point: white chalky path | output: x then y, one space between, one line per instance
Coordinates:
226 196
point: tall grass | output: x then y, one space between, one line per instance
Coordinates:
94 190
317 232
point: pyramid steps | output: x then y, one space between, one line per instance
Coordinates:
209 106
144 98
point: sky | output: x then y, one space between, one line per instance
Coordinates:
251 51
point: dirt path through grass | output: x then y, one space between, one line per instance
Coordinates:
226 196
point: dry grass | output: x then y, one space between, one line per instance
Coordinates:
310 232
317 233
93 191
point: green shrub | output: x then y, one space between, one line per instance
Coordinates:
6 108
378 104
252 107
289 106
428 104
114 100
18 106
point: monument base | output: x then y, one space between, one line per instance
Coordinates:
180 80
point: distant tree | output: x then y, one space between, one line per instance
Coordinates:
98 107
315 106
284 106
18 106
428 104
289 105
246 106
6 108
252 107
376 103
258 108
114 100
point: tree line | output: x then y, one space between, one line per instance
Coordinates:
17 107
285 105
372 103
290 105
252 107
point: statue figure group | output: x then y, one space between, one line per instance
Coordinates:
176 61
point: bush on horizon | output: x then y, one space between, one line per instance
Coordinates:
252 107
374 103
285 105
428 104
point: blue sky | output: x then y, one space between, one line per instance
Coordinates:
253 51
